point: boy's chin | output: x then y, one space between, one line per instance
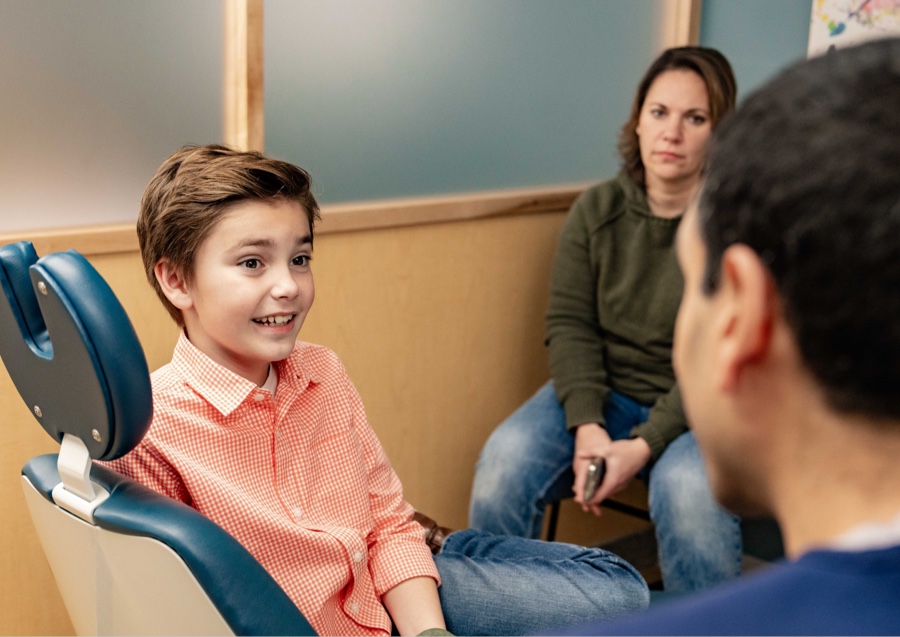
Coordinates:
283 351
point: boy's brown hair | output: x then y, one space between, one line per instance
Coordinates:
191 192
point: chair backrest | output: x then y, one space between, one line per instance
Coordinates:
127 560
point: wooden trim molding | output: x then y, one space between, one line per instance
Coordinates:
337 218
681 23
88 240
373 215
243 75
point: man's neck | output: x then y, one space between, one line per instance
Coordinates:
843 474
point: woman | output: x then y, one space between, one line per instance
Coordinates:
614 294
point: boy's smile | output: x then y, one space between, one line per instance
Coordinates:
251 287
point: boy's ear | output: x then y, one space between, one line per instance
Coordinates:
174 286
749 308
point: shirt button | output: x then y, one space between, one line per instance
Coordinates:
354 607
259 397
357 557
298 512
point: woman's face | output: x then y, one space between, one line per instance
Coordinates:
673 127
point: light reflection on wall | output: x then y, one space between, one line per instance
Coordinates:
96 93
405 97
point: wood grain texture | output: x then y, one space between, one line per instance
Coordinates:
243 90
680 25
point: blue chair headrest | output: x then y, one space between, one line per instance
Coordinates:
73 356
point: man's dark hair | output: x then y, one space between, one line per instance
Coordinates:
807 174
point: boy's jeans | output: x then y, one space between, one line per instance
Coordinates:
503 585
527 464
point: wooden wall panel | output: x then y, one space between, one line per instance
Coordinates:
29 600
441 329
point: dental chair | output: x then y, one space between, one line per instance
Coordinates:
127 560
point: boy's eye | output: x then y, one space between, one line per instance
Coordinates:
302 260
250 264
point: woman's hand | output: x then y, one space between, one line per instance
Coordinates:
624 458
591 440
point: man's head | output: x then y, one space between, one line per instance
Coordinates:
191 192
797 234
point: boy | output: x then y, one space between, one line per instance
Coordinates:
268 437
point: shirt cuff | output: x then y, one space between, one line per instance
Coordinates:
402 560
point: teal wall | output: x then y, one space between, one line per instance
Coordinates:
387 98
401 98
759 37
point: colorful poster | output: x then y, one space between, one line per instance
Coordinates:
839 23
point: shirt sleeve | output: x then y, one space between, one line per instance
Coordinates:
146 464
575 341
665 423
396 545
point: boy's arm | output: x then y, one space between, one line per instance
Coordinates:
414 606
397 549
146 465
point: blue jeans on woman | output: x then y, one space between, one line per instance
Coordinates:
526 464
502 585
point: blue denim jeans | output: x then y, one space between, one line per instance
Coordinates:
503 585
527 464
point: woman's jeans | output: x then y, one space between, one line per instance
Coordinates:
503 585
526 464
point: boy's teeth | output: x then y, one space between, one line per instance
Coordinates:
274 320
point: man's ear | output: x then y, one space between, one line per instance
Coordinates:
173 283
749 300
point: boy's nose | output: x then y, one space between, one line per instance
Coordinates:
285 285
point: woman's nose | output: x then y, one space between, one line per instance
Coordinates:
673 130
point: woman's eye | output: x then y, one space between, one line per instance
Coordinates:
657 112
250 264
697 120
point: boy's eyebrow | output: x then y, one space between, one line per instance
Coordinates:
268 243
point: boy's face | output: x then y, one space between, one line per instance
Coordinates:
252 287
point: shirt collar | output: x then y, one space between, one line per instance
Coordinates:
870 536
221 387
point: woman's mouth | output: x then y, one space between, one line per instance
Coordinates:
663 154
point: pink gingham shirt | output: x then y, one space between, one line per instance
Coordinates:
298 478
